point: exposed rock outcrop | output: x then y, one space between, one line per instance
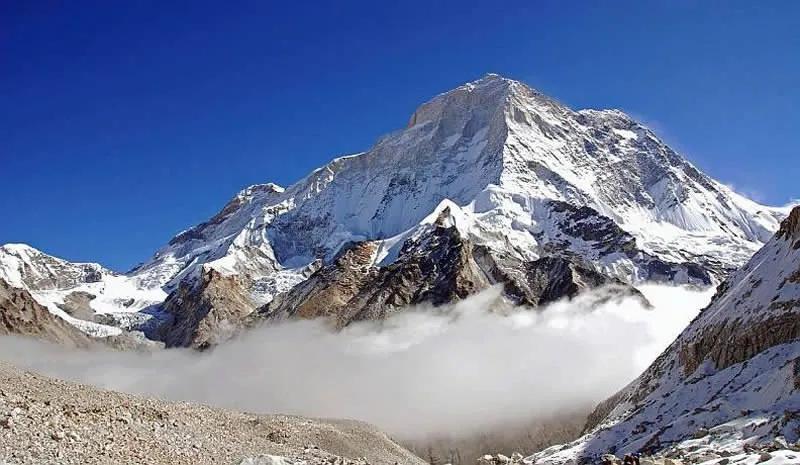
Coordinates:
790 228
206 312
21 315
78 305
734 342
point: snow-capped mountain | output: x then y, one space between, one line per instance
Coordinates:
495 172
24 266
729 383
500 155
80 293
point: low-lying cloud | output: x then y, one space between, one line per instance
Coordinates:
424 371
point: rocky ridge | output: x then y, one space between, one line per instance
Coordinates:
439 267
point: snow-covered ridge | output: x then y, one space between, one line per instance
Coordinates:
25 266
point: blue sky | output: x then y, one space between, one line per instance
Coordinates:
122 123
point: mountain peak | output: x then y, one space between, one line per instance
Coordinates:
485 95
492 78
18 247
491 82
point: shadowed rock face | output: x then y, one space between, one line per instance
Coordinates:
790 227
21 315
205 313
351 288
604 238
734 342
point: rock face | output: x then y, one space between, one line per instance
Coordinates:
488 178
78 305
205 313
21 315
730 381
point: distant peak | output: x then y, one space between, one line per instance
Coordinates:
493 82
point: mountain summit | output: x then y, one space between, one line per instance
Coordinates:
491 182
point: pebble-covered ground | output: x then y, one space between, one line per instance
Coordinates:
48 421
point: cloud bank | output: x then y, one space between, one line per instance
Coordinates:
453 370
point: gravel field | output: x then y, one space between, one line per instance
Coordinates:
48 421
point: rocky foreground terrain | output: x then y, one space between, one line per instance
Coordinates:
46 421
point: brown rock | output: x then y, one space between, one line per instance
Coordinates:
21 315
207 312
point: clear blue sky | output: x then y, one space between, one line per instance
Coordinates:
122 123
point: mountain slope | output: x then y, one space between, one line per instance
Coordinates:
731 380
21 315
520 177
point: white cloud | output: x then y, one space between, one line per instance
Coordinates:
456 370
